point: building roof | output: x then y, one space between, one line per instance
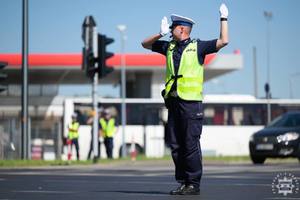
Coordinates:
66 68
65 60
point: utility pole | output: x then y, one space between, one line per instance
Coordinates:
24 118
268 16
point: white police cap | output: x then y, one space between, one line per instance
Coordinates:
181 20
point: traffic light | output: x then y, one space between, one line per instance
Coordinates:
88 62
94 53
103 55
2 76
89 51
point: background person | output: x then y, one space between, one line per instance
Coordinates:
108 128
73 136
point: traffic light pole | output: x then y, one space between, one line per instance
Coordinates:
95 120
94 64
95 97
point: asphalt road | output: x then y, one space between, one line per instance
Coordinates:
150 180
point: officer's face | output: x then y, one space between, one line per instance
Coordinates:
180 32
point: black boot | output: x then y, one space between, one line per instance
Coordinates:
178 190
190 190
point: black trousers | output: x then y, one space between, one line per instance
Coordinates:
109 145
183 137
91 149
75 142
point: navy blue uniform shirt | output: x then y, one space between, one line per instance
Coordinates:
204 47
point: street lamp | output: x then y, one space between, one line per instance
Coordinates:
122 29
268 16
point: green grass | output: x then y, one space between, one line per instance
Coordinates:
28 163
32 163
139 159
227 158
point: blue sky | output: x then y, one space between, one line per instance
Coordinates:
55 26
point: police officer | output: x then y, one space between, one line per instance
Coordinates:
107 130
73 134
183 94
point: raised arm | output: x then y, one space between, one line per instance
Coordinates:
223 39
164 30
147 43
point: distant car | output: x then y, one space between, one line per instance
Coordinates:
281 138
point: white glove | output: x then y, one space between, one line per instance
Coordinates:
164 27
223 11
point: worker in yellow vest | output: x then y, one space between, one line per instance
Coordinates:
73 135
108 128
183 93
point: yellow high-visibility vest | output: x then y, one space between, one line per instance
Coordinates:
190 73
73 130
108 127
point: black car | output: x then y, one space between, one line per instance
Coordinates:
281 138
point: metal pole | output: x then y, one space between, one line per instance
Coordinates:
268 67
255 72
95 98
95 120
29 139
268 16
24 119
58 129
122 29
268 50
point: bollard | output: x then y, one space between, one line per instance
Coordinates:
133 152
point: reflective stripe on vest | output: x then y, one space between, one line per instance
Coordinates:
73 134
190 73
108 128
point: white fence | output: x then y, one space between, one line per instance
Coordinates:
215 140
